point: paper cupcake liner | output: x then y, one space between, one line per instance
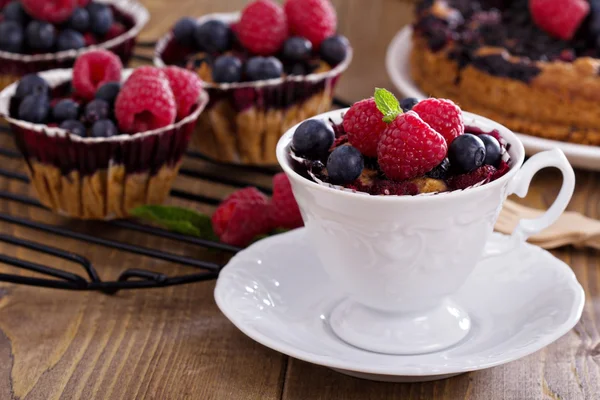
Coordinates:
13 65
245 120
99 178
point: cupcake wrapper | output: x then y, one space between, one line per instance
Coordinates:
13 66
244 121
100 178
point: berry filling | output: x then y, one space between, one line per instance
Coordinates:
412 156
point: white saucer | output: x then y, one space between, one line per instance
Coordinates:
277 293
398 68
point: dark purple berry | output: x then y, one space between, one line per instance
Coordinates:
261 68
40 35
11 37
14 11
31 84
344 165
298 69
64 110
96 110
80 20
441 171
69 40
183 31
466 153
108 92
297 49
334 49
101 18
227 69
213 36
312 139
408 103
74 127
104 128
493 151
34 108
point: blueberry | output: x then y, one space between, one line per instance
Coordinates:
183 31
334 49
493 151
297 49
312 139
441 171
104 128
298 69
101 18
11 37
34 108
14 11
80 20
96 110
227 69
31 84
213 36
260 68
74 127
108 92
64 110
408 103
344 165
69 40
466 153
40 36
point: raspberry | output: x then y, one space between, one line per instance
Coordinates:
559 18
116 29
482 174
93 69
409 147
147 70
241 217
313 19
186 88
284 208
145 103
442 115
90 39
83 3
262 29
54 11
364 123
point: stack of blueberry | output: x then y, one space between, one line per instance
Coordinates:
259 46
41 26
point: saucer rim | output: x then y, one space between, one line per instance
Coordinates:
326 361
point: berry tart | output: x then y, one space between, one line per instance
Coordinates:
532 65
385 147
99 140
265 70
38 35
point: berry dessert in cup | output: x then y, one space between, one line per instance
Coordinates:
38 35
397 247
265 70
99 140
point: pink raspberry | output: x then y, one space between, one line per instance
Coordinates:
284 208
145 103
559 18
186 87
262 29
364 124
54 11
443 116
93 69
313 19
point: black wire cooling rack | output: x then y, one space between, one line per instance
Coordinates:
132 278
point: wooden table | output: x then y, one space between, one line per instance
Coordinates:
173 343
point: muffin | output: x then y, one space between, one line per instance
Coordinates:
265 70
37 36
97 147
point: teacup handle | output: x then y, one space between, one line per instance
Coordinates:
520 186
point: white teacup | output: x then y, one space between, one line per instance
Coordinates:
400 258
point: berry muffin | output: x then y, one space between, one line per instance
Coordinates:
531 65
265 70
98 140
38 35
385 147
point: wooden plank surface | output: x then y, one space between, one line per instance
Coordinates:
173 343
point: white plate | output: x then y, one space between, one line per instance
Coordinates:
398 68
277 293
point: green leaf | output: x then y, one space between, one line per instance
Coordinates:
177 219
388 104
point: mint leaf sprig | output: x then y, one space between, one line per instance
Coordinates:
388 104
